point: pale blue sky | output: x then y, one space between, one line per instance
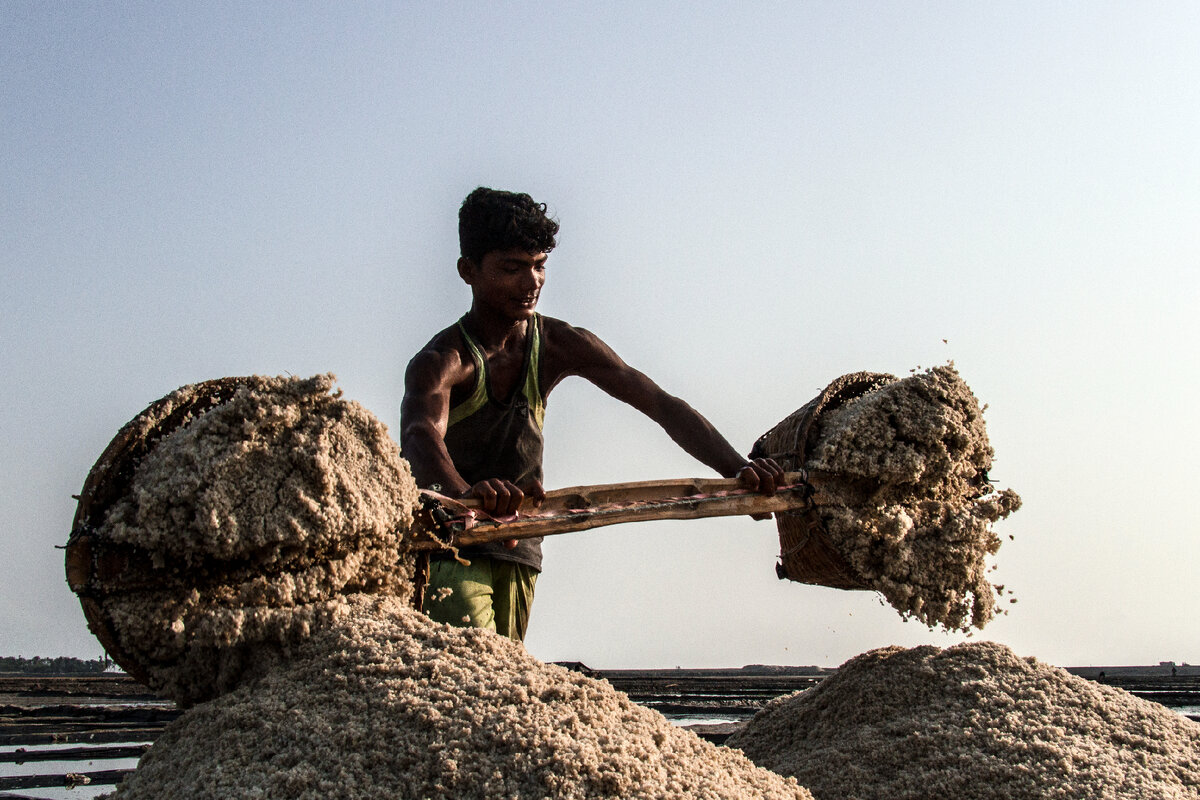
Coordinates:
755 199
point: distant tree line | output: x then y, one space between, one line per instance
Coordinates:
59 664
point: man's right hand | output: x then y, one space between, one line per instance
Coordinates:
498 497
502 498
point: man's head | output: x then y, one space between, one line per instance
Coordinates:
490 219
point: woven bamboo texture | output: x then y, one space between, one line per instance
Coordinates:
806 554
96 567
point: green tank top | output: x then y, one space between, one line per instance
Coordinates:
491 437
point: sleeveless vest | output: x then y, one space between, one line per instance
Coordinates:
490 437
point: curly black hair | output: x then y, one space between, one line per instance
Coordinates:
490 219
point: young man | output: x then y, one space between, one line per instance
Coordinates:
475 395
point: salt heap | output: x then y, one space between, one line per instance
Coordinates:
921 530
255 515
385 703
275 525
972 722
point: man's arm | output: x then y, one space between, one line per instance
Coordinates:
424 417
586 355
424 413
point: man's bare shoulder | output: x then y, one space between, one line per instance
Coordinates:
446 340
571 342
571 350
561 332
442 360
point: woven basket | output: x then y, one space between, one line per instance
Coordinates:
96 567
806 553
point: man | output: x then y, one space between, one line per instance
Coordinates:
475 395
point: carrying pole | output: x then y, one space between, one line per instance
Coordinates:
446 522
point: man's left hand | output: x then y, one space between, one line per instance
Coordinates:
763 475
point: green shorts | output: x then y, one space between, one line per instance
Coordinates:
490 594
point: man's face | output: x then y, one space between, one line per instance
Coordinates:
506 281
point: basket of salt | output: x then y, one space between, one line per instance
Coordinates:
95 564
227 519
903 502
806 553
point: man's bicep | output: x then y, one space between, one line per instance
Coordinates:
426 402
608 372
422 414
584 354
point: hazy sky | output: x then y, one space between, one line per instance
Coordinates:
755 198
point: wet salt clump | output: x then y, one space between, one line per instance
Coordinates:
972 722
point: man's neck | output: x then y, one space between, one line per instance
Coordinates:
494 332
